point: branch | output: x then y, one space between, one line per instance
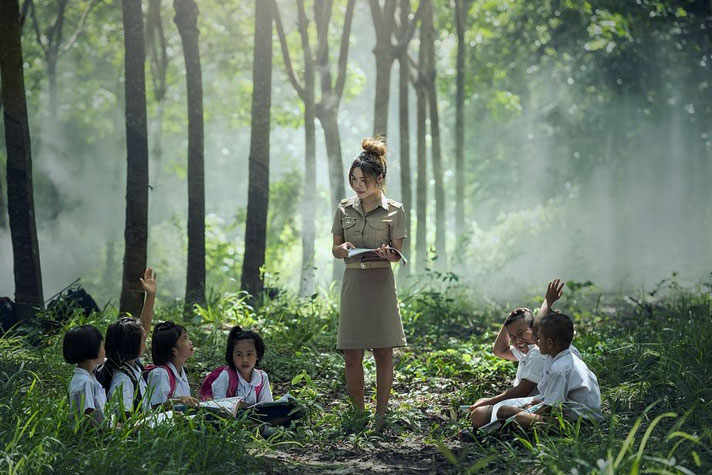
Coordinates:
304 34
408 35
377 16
322 14
285 52
344 51
36 26
68 45
23 13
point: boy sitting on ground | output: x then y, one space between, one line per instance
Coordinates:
516 342
567 384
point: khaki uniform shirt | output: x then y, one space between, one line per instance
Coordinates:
382 225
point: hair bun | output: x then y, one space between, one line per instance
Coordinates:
375 146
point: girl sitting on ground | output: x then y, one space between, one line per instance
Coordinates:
84 346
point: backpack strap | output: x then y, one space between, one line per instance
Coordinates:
137 391
171 377
258 388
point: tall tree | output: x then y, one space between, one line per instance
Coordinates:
428 37
384 22
21 208
461 10
187 20
136 230
421 244
158 60
404 127
258 186
3 202
306 94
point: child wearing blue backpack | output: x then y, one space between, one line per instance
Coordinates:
167 381
243 352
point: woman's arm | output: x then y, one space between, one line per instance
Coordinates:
340 249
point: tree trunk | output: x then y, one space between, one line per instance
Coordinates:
136 230
21 208
384 62
460 12
438 177
404 129
186 19
258 188
421 244
3 201
158 60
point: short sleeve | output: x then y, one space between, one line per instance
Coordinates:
84 397
159 386
336 227
122 384
220 385
518 355
398 229
266 391
555 390
534 369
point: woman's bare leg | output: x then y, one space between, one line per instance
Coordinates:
384 378
354 377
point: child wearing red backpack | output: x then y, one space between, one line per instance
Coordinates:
170 348
239 377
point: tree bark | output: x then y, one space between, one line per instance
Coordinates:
3 200
306 94
429 39
404 136
460 12
421 244
186 19
258 188
158 60
136 230
21 208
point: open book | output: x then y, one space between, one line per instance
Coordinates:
372 252
496 424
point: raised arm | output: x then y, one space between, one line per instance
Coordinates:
553 293
501 345
150 285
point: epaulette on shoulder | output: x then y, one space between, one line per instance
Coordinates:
347 201
394 203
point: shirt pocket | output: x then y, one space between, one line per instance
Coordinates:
350 229
378 233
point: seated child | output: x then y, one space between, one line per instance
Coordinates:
125 343
84 346
567 384
515 342
244 351
170 348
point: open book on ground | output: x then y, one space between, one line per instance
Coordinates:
496 424
226 407
372 252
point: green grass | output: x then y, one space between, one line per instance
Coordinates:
650 353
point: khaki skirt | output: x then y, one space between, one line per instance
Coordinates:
369 317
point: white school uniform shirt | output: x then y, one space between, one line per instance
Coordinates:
531 366
122 384
570 384
542 383
245 390
85 392
159 384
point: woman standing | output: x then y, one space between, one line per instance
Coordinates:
369 315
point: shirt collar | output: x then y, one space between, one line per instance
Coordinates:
255 379
82 371
175 370
562 354
356 203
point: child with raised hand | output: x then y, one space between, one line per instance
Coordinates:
240 377
84 346
568 384
516 342
167 381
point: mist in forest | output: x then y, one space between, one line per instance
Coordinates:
624 206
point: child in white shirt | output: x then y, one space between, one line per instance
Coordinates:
515 342
170 348
567 384
244 351
84 346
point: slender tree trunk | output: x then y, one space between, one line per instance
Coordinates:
384 62
158 60
421 245
404 136
258 188
438 176
21 208
3 200
460 12
136 231
187 21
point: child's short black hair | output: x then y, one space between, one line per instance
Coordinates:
559 327
237 334
522 313
81 343
123 340
164 339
